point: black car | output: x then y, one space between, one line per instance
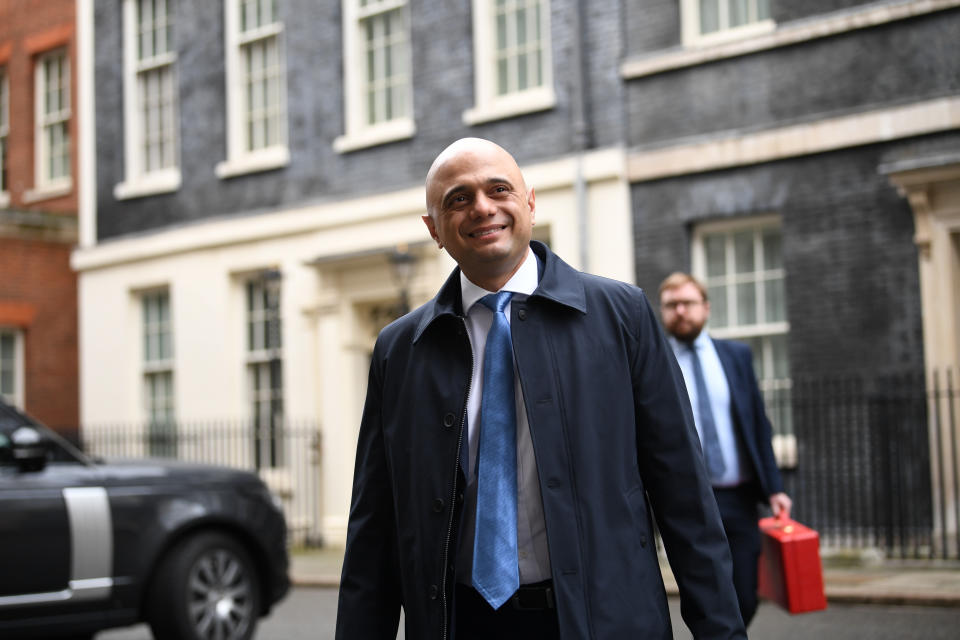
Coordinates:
197 551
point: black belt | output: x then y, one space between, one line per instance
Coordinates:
534 597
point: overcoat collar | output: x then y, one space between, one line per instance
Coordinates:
559 283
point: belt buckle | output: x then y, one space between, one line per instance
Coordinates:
532 599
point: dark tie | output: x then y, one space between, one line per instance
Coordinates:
495 572
712 454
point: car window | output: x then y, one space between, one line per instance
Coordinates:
59 450
6 449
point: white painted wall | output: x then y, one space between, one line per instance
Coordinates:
327 329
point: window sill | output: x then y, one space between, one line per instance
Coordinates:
517 104
401 129
254 162
165 181
4 199
701 51
730 35
48 192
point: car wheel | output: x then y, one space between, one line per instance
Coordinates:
206 589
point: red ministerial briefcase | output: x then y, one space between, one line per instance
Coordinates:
789 571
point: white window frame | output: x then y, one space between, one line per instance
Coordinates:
359 134
154 367
138 181
239 160
690 25
4 135
784 440
700 271
260 358
45 186
17 397
488 105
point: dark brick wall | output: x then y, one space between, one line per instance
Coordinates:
443 76
904 61
652 26
853 296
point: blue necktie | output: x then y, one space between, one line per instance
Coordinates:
495 572
712 454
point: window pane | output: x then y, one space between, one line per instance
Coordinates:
739 12
775 304
772 258
521 22
756 349
3 163
718 306
386 75
780 356
746 303
4 126
743 252
518 54
709 16
763 9
714 247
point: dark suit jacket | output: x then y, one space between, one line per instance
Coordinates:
611 427
749 416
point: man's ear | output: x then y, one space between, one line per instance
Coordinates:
427 220
532 203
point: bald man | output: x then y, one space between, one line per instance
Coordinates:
518 431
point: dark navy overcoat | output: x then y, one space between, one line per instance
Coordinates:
612 429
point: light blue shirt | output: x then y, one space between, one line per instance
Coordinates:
719 391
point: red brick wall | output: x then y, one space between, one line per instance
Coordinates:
30 29
38 290
38 294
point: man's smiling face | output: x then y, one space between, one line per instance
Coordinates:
480 210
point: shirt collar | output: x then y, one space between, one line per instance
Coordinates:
524 281
699 343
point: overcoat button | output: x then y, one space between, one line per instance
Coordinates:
643 540
522 314
433 592
437 505
448 420
460 497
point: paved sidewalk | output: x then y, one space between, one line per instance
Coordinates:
887 583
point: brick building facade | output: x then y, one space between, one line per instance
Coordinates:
38 211
770 158
766 145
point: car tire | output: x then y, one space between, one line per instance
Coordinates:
206 588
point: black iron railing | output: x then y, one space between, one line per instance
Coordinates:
873 463
877 463
294 478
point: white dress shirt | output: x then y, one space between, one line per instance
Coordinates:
719 390
533 555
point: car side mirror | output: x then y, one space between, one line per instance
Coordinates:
29 449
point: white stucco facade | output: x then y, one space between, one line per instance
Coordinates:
335 275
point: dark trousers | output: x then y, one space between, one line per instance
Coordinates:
477 620
738 510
